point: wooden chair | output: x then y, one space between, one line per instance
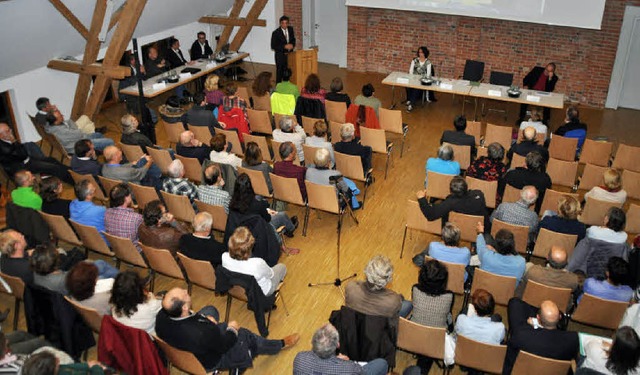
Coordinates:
391 121
424 340
438 185
143 195
511 194
334 129
531 364
243 93
518 161
181 359
108 184
262 144
161 158
232 136
520 234
262 103
596 152
17 291
61 229
277 117
633 219
217 212
631 183
125 251
599 312
562 173
258 181
161 261
592 175
90 316
192 168
536 293
324 198
480 356
461 154
594 211
376 139
500 134
91 239
351 167
457 272
547 238
551 198
336 111
501 287
467 225
259 122
286 189
627 158
309 153
275 145
563 148
179 206
172 130
202 133
131 152
199 272
488 188
474 128
99 194
416 220
308 122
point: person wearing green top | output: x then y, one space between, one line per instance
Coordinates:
23 195
286 87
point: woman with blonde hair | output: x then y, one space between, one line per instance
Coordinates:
611 190
212 91
566 219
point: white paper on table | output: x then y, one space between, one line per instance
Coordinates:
185 75
403 80
494 93
446 86
211 65
160 85
533 98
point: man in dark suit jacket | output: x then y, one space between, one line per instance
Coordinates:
458 136
535 331
539 79
201 114
351 146
528 144
44 106
460 199
534 174
283 41
190 147
200 48
174 55
84 160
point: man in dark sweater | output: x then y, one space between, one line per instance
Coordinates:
200 244
458 136
201 114
539 79
534 174
84 160
190 147
462 200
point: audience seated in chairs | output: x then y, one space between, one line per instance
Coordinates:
351 146
121 219
201 244
83 210
479 323
458 136
24 195
190 147
319 139
50 190
619 357
160 229
566 220
336 94
142 171
177 184
286 168
614 287
48 362
448 250
527 145
533 174
518 213
84 286
490 167
201 114
253 160
611 191
312 88
500 255
460 199
84 160
132 305
443 164
290 132
554 274
368 98
219 155
535 121
210 191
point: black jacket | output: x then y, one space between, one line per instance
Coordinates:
196 52
521 177
310 108
355 148
471 204
17 267
173 59
525 147
266 246
278 41
202 116
12 156
28 222
532 77
199 153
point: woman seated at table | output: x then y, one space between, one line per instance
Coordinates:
420 65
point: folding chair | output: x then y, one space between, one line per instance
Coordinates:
424 340
595 210
351 167
192 168
599 312
202 133
173 131
259 122
99 194
474 128
391 121
108 184
161 261
334 129
551 198
536 293
631 183
596 152
520 234
531 364
125 251
198 272
563 148
261 103
308 123
143 195
61 229
467 225
376 139
232 136
592 175
501 287
416 220
217 212
179 206
180 359
488 188
91 239
336 111
262 144
258 181
500 134
547 238
286 189
480 356
461 154
161 158
17 291
131 152
457 272
438 185
627 158
562 173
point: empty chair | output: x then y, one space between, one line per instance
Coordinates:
631 183
17 291
500 134
480 356
501 287
61 229
627 157
562 172
259 122
202 133
131 152
375 138
437 185
108 184
551 198
232 136
547 238
596 152
192 168
467 225
336 111
125 251
599 312
217 212
531 364
536 293
179 206
91 239
488 188
182 360
595 210
473 70
172 130
416 220
161 158
592 175
262 144
143 195
258 181
391 121
520 233
161 261
563 148
423 340
198 272
461 154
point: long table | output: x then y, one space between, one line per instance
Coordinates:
465 88
151 88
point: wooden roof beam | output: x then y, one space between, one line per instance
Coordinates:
227 21
226 33
73 20
95 69
252 16
115 17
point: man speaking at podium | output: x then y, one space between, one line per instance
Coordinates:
282 42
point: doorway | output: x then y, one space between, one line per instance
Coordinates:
624 89
324 24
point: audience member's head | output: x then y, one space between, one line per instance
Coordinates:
536 115
460 123
336 85
615 219
262 84
286 75
43 104
213 175
241 243
129 124
529 133
231 88
573 114
85 190
202 222
127 293
243 194
219 142
44 259
505 242
186 138
41 363
347 132
112 154
81 280
24 178
50 189
175 169
368 90
320 129
458 187
12 243
84 148
495 152
322 158
325 341
451 234
312 83
378 272
535 162
548 315
211 84
252 154
617 271
612 179
483 302
153 213
568 207
6 134
557 257
152 52
177 302
199 98
433 278
445 152
286 124
120 195
287 151
529 195
624 353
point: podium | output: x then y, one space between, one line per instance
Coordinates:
302 63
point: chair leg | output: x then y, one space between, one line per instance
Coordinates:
118 263
16 314
153 280
306 221
404 237
284 305
404 136
226 314
386 168
189 287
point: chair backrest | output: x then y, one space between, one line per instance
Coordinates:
520 233
275 145
547 238
437 184
375 138
162 261
199 272
16 284
322 197
143 194
202 133
417 220
259 122
467 225
258 181
474 128
286 189
161 158
457 272
192 168
551 198
61 229
536 293
309 153
518 160
262 144
91 238
308 122
179 206
217 212
633 219
631 183
592 175
243 93
511 194
599 312
173 131
473 70
501 287
461 154
277 117
419 339
500 78
232 136
108 184
480 356
500 134
488 188
390 120
350 166
132 152
596 152
627 158
125 250
562 172
99 194
595 210
531 364
262 103
563 148
90 316
183 360
336 111
334 129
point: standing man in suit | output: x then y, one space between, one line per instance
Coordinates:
282 42
540 79
200 48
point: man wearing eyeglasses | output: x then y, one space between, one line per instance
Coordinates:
200 48
539 79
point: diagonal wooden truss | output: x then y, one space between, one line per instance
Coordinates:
233 20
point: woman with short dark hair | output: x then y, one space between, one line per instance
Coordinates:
336 94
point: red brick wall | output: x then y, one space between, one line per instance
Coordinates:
293 9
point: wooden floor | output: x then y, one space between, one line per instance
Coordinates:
381 222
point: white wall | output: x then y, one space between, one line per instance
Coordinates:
258 42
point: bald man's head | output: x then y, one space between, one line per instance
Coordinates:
112 154
557 257
529 133
177 302
529 195
549 315
186 137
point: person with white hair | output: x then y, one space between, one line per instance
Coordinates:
350 145
190 147
290 132
177 184
320 173
443 164
322 359
201 244
520 213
